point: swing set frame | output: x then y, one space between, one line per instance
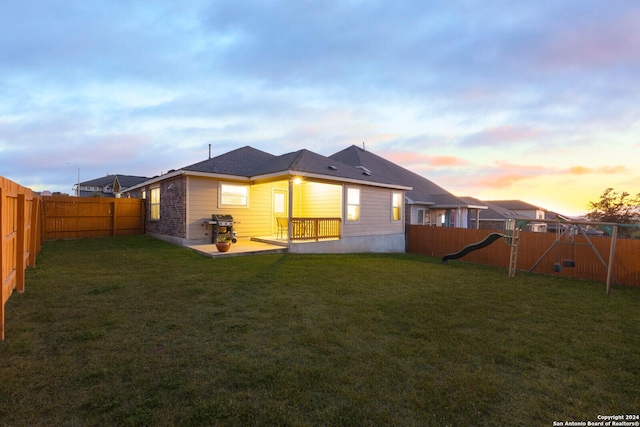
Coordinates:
568 226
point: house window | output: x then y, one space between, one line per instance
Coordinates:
234 195
353 204
144 194
155 203
396 206
421 217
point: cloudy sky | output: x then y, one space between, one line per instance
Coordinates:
538 101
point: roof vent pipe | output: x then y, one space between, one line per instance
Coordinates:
209 150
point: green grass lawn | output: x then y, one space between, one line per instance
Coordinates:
134 331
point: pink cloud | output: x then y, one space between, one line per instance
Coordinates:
411 159
502 180
579 170
607 170
446 161
500 135
605 44
530 170
506 174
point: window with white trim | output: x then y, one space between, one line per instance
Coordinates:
421 216
155 203
396 206
234 195
353 204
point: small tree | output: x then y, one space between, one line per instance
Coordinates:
619 208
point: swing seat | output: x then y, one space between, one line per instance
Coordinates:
557 267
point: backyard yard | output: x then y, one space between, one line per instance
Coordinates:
134 331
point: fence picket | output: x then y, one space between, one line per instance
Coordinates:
78 217
19 243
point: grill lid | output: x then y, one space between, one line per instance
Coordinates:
222 218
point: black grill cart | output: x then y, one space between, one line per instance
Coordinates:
222 227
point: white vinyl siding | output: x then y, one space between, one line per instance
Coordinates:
317 200
203 202
310 199
375 207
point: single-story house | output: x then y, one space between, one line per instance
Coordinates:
499 211
325 205
426 202
107 186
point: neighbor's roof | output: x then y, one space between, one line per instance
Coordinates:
100 182
424 191
517 205
127 181
124 180
498 213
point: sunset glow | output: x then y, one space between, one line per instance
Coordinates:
487 101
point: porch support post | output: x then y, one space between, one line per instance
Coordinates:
290 210
477 219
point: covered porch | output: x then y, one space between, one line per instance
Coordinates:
304 210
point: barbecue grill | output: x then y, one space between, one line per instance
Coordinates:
222 227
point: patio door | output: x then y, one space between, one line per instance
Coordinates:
279 208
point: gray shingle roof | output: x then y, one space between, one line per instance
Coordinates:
127 181
242 161
424 191
308 162
124 180
516 205
497 212
100 182
253 163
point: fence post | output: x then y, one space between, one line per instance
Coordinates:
612 254
20 240
3 277
115 218
35 230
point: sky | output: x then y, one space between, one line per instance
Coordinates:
531 100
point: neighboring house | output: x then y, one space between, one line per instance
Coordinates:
327 205
426 202
524 209
107 186
499 211
559 226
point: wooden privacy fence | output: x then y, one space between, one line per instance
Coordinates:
20 238
77 217
439 241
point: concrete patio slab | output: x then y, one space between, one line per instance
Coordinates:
240 248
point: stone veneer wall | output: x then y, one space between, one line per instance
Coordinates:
173 208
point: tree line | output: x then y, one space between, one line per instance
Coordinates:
619 208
